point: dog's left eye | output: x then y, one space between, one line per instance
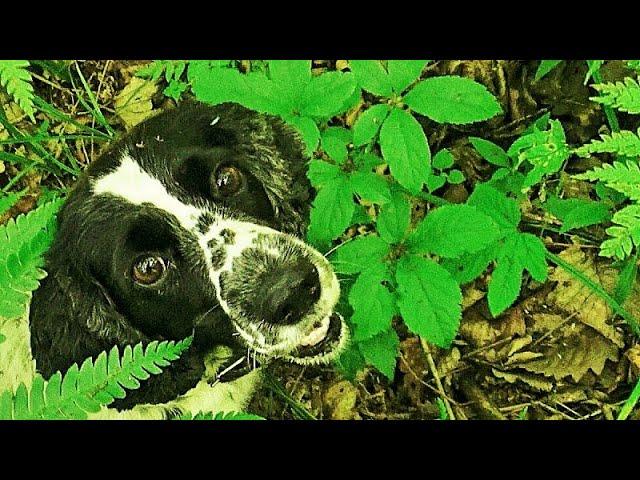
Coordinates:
149 270
227 181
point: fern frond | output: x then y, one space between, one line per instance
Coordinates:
625 143
172 70
86 389
23 243
623 96
622 177
220 416
16 79
10 200
625 235
634 65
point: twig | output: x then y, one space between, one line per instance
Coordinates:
436 377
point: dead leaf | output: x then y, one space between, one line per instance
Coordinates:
133 104
340 400
534 381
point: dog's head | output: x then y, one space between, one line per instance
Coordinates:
194 215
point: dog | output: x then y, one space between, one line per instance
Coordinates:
190 224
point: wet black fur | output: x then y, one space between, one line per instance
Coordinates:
80 311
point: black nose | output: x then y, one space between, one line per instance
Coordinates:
288 292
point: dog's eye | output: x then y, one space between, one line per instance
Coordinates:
148 270
227 181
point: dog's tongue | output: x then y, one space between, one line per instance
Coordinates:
317 334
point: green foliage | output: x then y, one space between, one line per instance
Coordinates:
10 200
623 96
545 67
23 243
577 212
17 81
220 416
87 388
623 143
172 71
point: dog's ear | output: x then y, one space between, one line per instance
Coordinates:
72 318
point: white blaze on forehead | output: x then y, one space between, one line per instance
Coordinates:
131 183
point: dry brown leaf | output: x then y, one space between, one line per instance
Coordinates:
535 381
480 331
573 296
133 104
574 355
340 400
633 354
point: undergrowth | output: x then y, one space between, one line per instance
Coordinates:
365 126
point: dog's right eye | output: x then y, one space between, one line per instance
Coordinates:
148 270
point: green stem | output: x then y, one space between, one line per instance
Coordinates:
597 289
630 403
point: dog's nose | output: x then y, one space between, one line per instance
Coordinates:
288 292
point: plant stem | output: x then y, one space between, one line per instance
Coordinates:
630 403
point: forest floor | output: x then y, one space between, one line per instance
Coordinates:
558 353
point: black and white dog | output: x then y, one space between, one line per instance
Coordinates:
190 224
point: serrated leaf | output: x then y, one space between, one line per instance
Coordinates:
335 141
623 96
326 94
321 173
404 147
403 73
373 304
8 201
308 129
381 351
491 152
359 254
372 77
331 211
577 212
470 266
505 283
370 186
624 142
294 73
368 124
453 230
429 299
452 99
394 218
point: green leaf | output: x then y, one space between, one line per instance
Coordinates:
294 73
626 280
335 141
452 230
394 218
504 210
370 186
17 81
325 95
403 73
623 96
470 266
331 211
625 234
435 182
443 159
351 361
175 89
320 173
429 299
455 177
404 147
381 351
545 67
520 251
373 304
577 212
372 77
7 202
452 99
359 254
545 150
368 124
491 152
307 129
623 143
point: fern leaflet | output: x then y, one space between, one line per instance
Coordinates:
17 81
94 384
623 96
220 416
623 177
23 243
625 235
9 201
624 143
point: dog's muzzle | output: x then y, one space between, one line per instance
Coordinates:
278 291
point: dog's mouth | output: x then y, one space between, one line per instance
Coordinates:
321 342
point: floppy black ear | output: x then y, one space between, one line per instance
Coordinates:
72 318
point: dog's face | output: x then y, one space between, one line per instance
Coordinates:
195 215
